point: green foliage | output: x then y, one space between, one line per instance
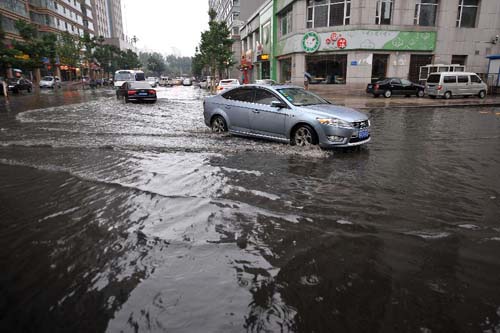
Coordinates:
64 48
171 65
36 45
156 64
68 49
7 55
215 47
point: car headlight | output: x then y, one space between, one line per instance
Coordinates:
334 122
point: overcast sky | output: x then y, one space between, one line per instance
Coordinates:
166 26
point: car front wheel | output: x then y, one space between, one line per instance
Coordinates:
420 93
387 94
482 94
304 136
218 125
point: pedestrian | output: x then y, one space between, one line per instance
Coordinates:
5 89
307 78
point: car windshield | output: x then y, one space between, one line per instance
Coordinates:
123 76
47 78
140 85
301 97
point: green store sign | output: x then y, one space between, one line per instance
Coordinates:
311 42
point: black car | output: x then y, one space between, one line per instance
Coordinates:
395 86
136 91
17 85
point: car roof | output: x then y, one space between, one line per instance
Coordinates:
454 73
139 84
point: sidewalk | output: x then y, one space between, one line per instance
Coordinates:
359 99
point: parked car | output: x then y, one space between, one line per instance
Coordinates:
265 81
395 86
16 85
136 91
49 81
152 81
203 84
187 82
287 114
227 84
449 84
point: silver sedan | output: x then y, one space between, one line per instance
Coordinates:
286 114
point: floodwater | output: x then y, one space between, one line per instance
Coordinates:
136 218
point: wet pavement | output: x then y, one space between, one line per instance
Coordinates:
136 218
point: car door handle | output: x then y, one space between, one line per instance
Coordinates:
256 111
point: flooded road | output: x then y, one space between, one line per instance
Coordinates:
136 218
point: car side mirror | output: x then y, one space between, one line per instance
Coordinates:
278 104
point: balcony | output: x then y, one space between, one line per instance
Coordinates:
14 6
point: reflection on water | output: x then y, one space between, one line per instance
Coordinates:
124 217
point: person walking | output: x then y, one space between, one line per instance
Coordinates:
307 78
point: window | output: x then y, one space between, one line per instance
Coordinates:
463 79
329 69
467 12
327 13
379 66
475 79
241 94
286 22
264 97
450 79
405 82
458 60
396 81
425 12
384 11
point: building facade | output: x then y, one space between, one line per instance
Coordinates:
109 24
73 16
234 13
357 41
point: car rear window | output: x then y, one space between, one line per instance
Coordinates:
140 85
433 78
450 79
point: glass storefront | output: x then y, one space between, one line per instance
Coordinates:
266 70
379 67
327 69
285 70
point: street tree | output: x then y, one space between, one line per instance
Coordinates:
156 64
215 46
41 48
68 50
9 56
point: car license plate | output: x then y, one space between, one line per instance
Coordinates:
143 94
363 134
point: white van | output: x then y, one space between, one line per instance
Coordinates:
449 84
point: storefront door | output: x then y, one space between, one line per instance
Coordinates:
416 61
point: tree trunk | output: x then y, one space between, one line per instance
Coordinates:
38 75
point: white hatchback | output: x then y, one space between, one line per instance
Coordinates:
227 84
49 81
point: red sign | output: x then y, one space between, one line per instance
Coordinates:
342 43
